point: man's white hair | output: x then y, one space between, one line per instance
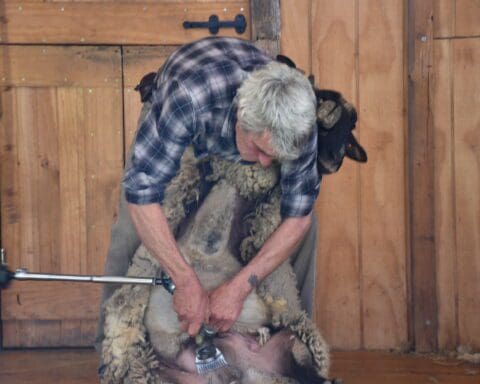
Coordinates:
281 100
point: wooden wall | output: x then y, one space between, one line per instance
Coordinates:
390 276
455 95
68 112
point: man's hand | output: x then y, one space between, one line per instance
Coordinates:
226 303
190 302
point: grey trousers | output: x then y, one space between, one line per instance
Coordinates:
124 241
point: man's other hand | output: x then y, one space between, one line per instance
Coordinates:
226 303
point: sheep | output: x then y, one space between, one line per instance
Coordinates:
140 346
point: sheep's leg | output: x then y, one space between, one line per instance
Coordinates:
280 293
162 325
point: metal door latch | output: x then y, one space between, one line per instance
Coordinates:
214 24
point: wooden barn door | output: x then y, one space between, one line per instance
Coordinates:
68 111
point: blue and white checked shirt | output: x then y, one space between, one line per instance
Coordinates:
193 104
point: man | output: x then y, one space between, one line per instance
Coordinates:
226 98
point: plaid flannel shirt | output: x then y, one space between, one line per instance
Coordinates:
192 104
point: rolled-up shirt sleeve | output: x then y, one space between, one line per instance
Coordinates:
300 182
160 143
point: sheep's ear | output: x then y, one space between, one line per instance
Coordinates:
311 78
286 60
354 150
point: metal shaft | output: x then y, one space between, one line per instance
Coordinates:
23 274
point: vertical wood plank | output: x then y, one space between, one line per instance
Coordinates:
48 179
295 39
103 166
421 171
467 182
72 154
25 131
338 269
467 16
444 18
444 178
383 183
9 166
266 25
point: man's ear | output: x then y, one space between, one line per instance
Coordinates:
354 150
286 60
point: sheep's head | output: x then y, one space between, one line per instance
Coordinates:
336 119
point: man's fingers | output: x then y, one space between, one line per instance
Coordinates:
194 328
221 325
183 325
226 325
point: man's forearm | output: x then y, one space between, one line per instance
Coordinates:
279 246
190 301
156 236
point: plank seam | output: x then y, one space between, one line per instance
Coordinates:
122 87
359 178
453 192
459 37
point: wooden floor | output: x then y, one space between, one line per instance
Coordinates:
79 367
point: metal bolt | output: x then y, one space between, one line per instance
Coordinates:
428 323
90 91
241 9
62 9
2 256
225 9
20 8
423 38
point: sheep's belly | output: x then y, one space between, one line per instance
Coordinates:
257 364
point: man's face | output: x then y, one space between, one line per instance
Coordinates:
254 147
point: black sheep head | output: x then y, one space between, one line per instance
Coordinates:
336 119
